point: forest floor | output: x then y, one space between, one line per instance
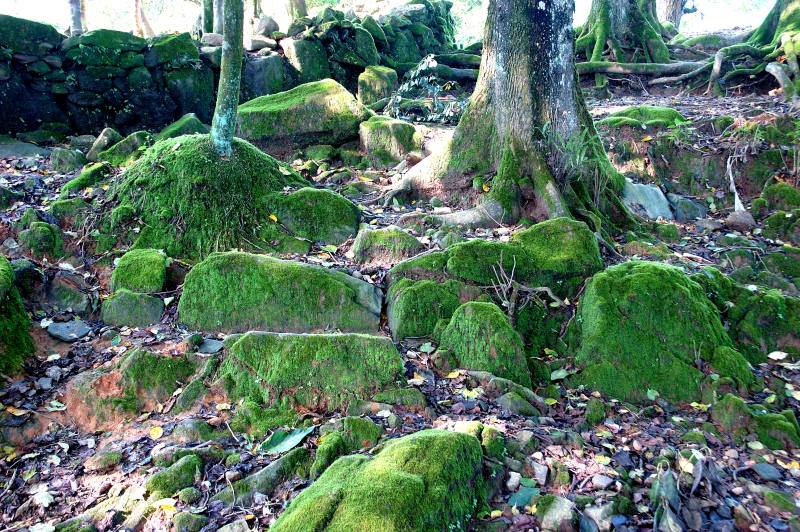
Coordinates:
44 476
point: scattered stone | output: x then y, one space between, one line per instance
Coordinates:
741 221
70 331
64 160
646 200
766 471
513 482
601 481
210 346
126 308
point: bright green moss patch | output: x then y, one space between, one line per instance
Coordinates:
387 140
644 116
356 433
376 82
140 270
179 475
781 196
237 292
389 244
480 337
188 124
258 420
429 480
318 371
320 112
640 326
42 239
776 431
414 308
730 363
319 215
15 339
595 411
127 150
68 208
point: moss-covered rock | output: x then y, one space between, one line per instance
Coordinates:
356 433
386 245
319 215
179 475
68 208
192 202
777 431
376 83
135 381
140 270
127 150
730 363
22 36
311 370
236 292
131 309
42 238
174 49
595 411
189 522
188 124
429 480
66 160
15 338
306 58
643 117
480 337
640 326
387 140
321 112
781 196
107 138
257 420
8 197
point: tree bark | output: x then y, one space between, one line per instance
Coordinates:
208 16
76 25
672 11
219 6
83 15
224 122
137 13
297 9
526 129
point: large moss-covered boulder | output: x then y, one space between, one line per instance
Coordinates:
127 150
351 434
429 480
415 307
559 253
321 112
376 83
67 160
140 270
387 245
188 124
138 380
480 337
15 338
22 36
316 371
641 326
387 140
193 202
175 49
306 58
236 292
130 309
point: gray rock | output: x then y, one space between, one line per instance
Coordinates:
65 160
601 481
70 331
263 75
54 372
14 148
766 471
240 525
44 383
68 291
83 142
540 472
561 511
708 225
210 346
212 39
740 221
687 210
646 200
254 44
107 138
601 515
514 479
266 26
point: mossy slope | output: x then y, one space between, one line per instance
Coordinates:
15 339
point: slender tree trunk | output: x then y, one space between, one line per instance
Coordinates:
76 26
208 16
83 15
137 13
224 123
219 6
671 11
526 123
297 9
148 30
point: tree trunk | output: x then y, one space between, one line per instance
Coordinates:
83 15
224 122
672 11
137 13
219 6
76 25
208 16
297 9
526 125
148 30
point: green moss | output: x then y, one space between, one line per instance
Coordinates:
322 110
732 416
776 431
410 398
480 337
188 124
643 116
175 49
315 371
356 433
321 152
190 495
15 339
493 443
429 480
387 140
781 196
668 232
68 208
786 262
694 436
779 501
730 363
42 239
127 150
390 244
319 215
640 326
179 475
237 292
130 309
595 411
67 160
257 420
376 83
140 270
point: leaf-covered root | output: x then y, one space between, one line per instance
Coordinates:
622 31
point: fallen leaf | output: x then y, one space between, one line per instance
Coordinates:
156 432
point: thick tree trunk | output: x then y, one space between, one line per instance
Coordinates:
526 130
671 11
76 25
297 9
219 6
224 123
208 16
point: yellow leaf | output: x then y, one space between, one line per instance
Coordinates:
365 179
224 406
273 217
486 187
168 508
14 411
550 401
495 514
156 433
602 459
700 406
647 139
453 374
